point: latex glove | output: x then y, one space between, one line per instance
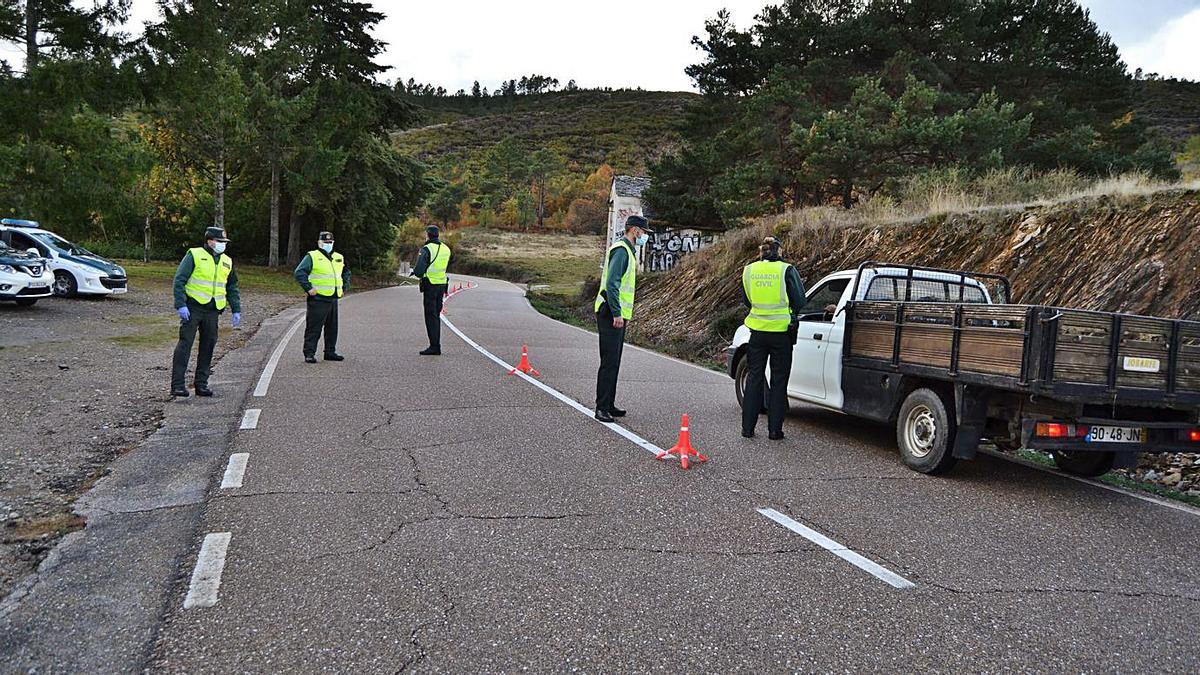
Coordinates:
184 313
237 319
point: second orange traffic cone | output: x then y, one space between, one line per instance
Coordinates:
524 365
683 447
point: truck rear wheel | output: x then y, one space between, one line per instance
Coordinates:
1090 464
925 433
740 385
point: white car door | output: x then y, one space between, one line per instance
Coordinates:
813 333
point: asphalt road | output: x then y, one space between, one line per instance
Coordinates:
438 515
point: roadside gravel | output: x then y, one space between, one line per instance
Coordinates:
81 382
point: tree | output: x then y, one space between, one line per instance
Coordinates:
38 25
543 165
445 203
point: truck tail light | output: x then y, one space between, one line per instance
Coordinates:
1053 430
1194 435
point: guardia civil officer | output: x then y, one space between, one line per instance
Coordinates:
772 290
431 270
614 307
323 275
205 284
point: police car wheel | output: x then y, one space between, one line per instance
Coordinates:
65 285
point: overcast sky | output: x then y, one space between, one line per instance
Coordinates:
647 43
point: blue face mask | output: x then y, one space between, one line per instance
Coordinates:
328 248
218 247
642 239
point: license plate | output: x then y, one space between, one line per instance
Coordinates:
38 284
1100 434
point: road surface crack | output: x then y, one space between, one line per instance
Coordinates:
1066 591
702 552
415 637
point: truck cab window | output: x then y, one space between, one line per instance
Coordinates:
820 298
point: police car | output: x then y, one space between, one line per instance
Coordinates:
76 270
24 276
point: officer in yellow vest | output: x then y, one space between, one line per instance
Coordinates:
323 275
431 270
205 284
772 290
614 307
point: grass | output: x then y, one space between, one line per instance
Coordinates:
153 332
1116 479
560 262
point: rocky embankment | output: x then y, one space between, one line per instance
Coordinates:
1136 254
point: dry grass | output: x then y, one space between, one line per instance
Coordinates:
952 193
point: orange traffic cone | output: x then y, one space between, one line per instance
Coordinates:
524 366
683 447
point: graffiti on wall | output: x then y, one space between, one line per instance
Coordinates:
668 247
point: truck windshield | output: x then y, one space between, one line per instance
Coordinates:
56 242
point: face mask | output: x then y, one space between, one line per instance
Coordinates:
642 239
219 247
328 248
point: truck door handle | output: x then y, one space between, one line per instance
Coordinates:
817 336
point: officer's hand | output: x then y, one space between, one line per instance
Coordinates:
312 291
237 319
184 313
618 322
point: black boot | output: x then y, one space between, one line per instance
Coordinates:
431 351
603 416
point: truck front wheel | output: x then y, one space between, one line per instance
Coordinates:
925 433
1090 464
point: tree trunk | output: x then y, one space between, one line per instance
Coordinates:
847 194
293 250
219 218
541 221
32 18
273 252
146 239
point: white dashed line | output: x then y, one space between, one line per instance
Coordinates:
235 471
867 565
616 428
206 578
250 418
264 381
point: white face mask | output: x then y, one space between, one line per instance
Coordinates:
328 248
219 247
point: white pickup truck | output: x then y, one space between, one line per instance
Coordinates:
942 356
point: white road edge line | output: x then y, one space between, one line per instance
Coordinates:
206 578
264 380
863 563
1093 482
235 471
250 418
637 440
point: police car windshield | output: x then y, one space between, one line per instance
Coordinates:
57 242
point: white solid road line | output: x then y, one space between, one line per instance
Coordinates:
206 578
264 381
235 471
637 440
250 418
867 565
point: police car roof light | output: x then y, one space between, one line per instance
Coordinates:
15 222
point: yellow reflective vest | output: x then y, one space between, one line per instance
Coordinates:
628 282
767 290
326 274
209 277
439 260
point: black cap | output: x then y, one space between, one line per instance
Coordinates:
325 236
217 233
638 221
432 230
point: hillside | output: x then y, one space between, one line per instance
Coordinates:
623 129
1170 107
